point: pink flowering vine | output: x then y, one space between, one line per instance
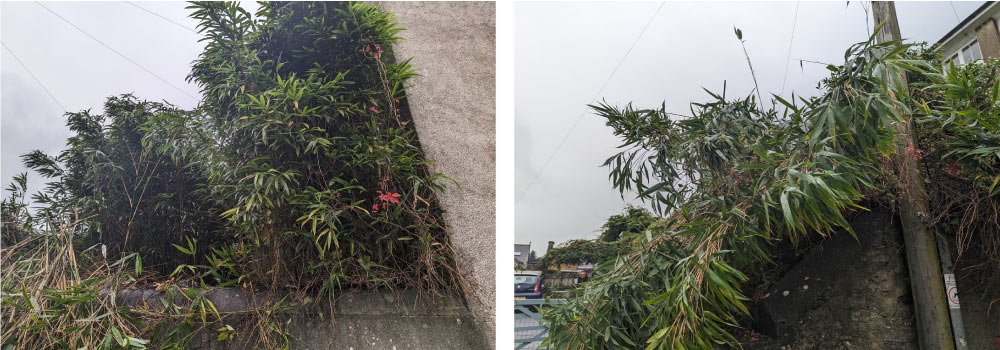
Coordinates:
915 151
376 55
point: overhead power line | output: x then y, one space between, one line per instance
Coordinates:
53 97
164 18
117 52
788 58
952 3
578 119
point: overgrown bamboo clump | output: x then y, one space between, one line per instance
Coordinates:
735 179
299 175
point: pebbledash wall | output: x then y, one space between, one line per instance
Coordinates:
453 107
453 104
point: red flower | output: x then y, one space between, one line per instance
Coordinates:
389 197
386 199
373 109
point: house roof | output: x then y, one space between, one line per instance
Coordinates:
965 22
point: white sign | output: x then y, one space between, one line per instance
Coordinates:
951 289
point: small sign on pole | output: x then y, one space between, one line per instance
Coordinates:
952 290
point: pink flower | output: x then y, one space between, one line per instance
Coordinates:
916 152
373 109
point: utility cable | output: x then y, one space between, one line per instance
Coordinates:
164 18
578 119
53 97
952 3
118 52
788 57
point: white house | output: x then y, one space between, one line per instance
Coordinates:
975 37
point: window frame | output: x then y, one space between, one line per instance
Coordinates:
955 58
967 45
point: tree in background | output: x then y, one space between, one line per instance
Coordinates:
580 251
617 228
635 220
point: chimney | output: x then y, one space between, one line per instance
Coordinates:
551 244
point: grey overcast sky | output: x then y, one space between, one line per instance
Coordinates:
80 72
564 52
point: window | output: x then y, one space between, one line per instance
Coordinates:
971 52
525 279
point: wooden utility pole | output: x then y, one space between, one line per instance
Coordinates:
926 280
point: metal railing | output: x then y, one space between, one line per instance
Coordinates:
528 330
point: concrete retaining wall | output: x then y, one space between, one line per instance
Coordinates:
453 105
361 320
850 293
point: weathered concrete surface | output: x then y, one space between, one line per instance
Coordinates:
370 332
982 322
349 302
453 105
844 294
361 320
858 297
979 314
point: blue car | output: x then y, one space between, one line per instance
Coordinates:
527 286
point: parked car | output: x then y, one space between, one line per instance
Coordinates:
527 285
